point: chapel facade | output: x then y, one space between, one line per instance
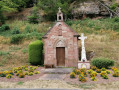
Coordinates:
61 45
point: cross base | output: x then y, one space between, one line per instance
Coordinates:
83 64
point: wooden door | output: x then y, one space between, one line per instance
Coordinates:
60 56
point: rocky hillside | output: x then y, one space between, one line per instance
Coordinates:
96 7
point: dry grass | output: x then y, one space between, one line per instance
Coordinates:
37 84
103 46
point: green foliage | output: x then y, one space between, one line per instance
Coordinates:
36 53
3 53
103 69
9 76
72 75
50 7
103 73
4 27
105 77
26 69
26 73
34 17
15 31
27 29
98 70
21 75
82 78
114 6
20 83
30 73
108 72
36 72
102 62
93 78
16 39
93 26
116 74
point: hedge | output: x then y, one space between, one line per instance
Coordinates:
102 62
36 53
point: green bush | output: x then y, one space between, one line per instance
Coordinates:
16 39
16 31
35 53
4 27
27 29
102 62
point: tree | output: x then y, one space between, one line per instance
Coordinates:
12 6
34 18
50 7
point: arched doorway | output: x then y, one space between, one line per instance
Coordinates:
60 53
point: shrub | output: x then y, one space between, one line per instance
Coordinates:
27 29
35 68
82 78
23 67
15 31
75 71
93 78
72 75
26 73
26 69
102 62
83 70
10 72
19 68
3 74
103 69
114 69
108 72
35 53
116 74
105 77
9 76
84 74
16 39
103 73
6 72
90 71
4 27
93 67
98 70
31 70
30 73
21 75
15 70
31 67
93 74
36 72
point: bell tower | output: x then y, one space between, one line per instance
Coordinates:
59 15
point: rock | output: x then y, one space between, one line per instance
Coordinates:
91 7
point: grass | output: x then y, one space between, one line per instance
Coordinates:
20 83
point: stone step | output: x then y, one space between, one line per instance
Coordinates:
57 70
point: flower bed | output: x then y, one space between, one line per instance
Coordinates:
23 73
94 76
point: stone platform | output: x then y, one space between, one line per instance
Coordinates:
57 70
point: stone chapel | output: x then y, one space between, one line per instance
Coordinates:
61 45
